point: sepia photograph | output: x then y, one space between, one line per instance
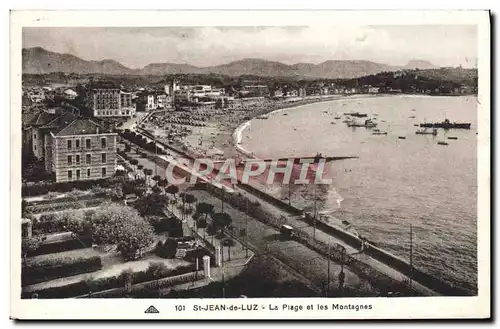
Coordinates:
255 165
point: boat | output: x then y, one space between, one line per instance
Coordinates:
402 137
452 137
446 124
415 125
357 114
367 124
413 109
427 132
442 143
376 130
333 122
337 117
262 117
379 133
411 117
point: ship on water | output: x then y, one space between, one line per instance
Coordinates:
356 114
446 124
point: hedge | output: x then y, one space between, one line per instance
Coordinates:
44 187
60 246
82 287
31 274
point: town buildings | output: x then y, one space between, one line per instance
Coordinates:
158 101
81 150
71 147
109 102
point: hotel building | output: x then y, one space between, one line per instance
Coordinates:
111 102
80 150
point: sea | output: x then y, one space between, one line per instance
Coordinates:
394 182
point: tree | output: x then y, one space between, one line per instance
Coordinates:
29 245
147 173
127 148
78 223
127 277
122 226
134 163
157 179
162 184
190 199
140 167
151 204
172 189
221 220
205 208
157 270
202 223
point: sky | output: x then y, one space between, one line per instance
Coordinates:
135 47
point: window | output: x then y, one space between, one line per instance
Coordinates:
70 160
77 143
70 174
103 171
88 159
69 144
88 172
34 147
34 135
77 159
88 143
103 143
77 174
103 158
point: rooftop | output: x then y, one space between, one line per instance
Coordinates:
82 127
42 118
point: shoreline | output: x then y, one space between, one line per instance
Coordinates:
238 131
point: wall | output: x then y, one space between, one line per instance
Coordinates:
62 152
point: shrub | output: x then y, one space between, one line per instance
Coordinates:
44 187
57 268
167 249
60 246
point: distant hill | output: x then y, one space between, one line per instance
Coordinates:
421 65
253 66
168 68
39 61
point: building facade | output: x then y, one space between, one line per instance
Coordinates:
81 150
111 102
158 101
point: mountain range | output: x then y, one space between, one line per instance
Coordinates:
38 60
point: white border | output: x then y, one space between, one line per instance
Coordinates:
400 308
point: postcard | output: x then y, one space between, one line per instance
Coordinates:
250 165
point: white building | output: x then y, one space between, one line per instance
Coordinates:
112 102
158 101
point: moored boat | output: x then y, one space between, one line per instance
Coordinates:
356 114
442 143
426 132
446 124
367 124
452 137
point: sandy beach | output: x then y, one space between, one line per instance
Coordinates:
221 136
